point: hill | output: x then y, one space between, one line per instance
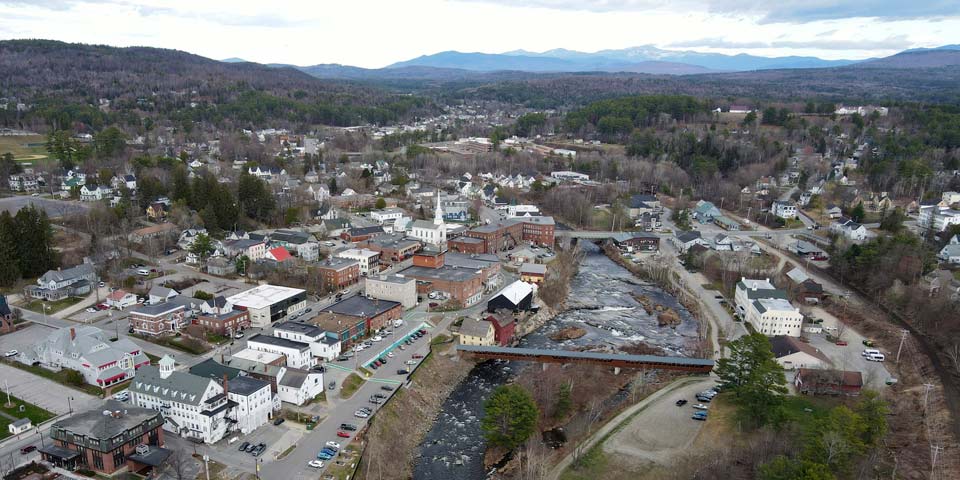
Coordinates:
53 75
926 58
489 62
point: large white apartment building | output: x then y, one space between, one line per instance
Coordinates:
369 260
322 344
193 406
298 354
767 308
254 402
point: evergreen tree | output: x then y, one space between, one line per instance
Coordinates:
858 213
9 267
752 374
35 252
510 416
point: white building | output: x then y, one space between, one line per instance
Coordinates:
792 354
88 350
269 303
431 233
92 193
395 288
121 299
387 215
774 316
297 386
254 402
784 210
522 211
849 229
369 260
298 354
568 176
322 344
193 406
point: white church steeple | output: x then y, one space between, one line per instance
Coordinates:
438 212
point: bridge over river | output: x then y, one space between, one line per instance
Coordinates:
617 361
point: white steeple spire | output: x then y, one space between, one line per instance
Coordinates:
438 212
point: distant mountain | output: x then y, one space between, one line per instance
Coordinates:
712 61
945 56
233 60
552 61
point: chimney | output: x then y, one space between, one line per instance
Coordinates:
225 389
73 334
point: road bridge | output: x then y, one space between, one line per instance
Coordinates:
617 361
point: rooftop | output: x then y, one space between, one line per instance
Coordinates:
245 385
446 273
533 268
257 356
157 310
773 304
263 296
475 328
516 291
338 262
278 342
301 328
398 279
94 424
360 306
783 345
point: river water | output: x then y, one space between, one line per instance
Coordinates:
601 303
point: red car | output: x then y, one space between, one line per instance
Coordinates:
342 434
417 355
841 343
27 449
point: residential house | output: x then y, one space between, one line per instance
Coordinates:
476 332
157 231
791 353
301 244
23 182
705 211
252 249
89 351
254 401
221 267
193 407
279 255
59 284
297 354
533 273
834 211
92 192
158 211
684 241
296 386
950 253
849 229
121 299
124 181
323 344
784 210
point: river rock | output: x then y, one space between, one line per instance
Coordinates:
568 333
668 317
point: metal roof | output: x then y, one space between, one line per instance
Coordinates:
698 362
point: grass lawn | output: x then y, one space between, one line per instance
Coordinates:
349 461
26 148
350 385
442 338
216 339
36 305
181 343
59 377
36 414
4 431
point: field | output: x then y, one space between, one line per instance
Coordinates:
52 307
26 148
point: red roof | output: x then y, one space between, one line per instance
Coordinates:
280 254
117 295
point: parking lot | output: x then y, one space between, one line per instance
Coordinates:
45 393
849 357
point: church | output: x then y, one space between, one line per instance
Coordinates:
431 233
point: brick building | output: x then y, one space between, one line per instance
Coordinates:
361 233
128 438
467 244
227 323
338 272
393 248
428 259
506 234
159 319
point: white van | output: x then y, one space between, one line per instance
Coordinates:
144 272
876 357
870 351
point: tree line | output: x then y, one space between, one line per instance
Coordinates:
26 245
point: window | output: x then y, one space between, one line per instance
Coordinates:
97 460
118 458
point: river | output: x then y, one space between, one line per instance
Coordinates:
600 302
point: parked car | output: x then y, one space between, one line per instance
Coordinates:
329 451
360 414
402 371
348 427
377 338
342 434
343 358
324 456
417 355
238 335
11 353
842 343
702 416
91 310
315 464
27 449
386 388
379 395
681 402
278 420
411 362
332 385
333 445
250 448
375 400
243 446
700 406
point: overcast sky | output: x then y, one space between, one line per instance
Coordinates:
373 33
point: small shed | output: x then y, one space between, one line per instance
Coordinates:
19 426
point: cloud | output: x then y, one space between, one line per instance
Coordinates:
779 11
897 42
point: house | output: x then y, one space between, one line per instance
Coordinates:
476 332
834 211
23 182
791 353
156 231
568 176
160 319
188 236
849 229
296 386
158 211
221 267
387 215
533 273
124 181
705 211
19 426
784 210
193 407
92 192
301 244
642 203
89 351
279 255
160 294
121 299
950 253
828 382
113 439
59 284
516 297
252 249
805 198
684 241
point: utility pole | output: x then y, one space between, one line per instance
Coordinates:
926 394
903 337
7 388
935 453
